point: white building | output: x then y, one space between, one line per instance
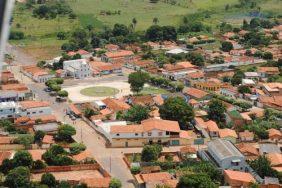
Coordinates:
176 51
8 110
34 108
78 68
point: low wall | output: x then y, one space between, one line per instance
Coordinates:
11 147
79 167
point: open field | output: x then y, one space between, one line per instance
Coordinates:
40 34
99 91
153 90
41 41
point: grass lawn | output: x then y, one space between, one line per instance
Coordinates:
153 90
99 91
40 34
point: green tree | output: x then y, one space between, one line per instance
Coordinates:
154 33
63 93
237 78
120 30
76 148
196 181
263 167
137 113
6 166
64 184
226 46
88 112
175 108
18 177
48 179
216 110
23 158
134 22
65 132
267 55
195 58
244 89
61 35
115 183
151 153
38 165
25 140
38 136
155 20
137 81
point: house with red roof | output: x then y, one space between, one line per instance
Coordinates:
120 56
238 179
37 74
149 131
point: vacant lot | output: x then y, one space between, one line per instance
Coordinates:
153 90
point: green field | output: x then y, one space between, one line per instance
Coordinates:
99 91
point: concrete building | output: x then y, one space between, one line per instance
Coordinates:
78 68
224 155
34 108
8 110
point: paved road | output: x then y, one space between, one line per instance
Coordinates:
109 158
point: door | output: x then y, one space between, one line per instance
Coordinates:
126 144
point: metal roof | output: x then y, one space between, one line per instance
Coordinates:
223 149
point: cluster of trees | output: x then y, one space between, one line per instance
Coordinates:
260 127
254 38
65 133
216 111
193 23
57 156
226 46
137 113
55 85
243 105
52 9
166 83
160 33
256 23
262 167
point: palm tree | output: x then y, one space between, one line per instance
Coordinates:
134 22
155 20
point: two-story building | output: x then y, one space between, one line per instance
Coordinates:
148 132
78 68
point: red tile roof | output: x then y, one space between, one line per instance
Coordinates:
116 105
96 182
5 155
196 93
239 176
118 54
33 104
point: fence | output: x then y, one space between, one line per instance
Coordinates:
79 167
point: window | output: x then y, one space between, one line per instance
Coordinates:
136 134
33 112
167 133
117 134
41 111
160 133
149 134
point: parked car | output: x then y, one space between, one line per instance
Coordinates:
61 99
